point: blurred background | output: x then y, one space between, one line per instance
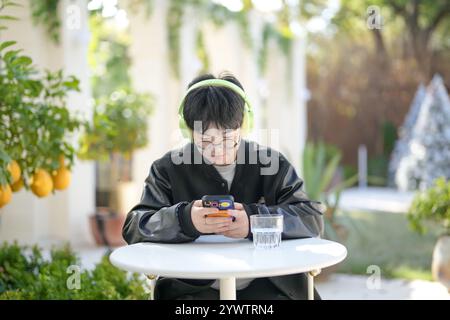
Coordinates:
354 93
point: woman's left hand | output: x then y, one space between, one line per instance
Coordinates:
239 228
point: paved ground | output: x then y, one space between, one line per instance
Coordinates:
375 198
341 286
345 286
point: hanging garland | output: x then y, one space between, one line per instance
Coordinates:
219 16
202 55
45 12
174 20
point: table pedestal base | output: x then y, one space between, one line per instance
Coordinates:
311 276
228 288
151 280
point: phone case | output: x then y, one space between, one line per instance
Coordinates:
221 202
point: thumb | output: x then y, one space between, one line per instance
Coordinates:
238 206
197 203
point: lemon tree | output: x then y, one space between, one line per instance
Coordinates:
35 124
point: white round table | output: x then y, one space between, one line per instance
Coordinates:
219 257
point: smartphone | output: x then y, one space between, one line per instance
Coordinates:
221 202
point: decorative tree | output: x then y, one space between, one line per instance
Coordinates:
428 153
405 132
35 124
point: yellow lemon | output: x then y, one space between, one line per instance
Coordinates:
5 195
41 183
61 178
14 170
16 186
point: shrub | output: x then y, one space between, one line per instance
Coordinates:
432 204
26 274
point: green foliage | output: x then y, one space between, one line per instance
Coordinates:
119 125
389 137
282 35
135 6
108 56
25 274
432 204
320 165
280 31
36 125
174 20
385 239
201 52
119 122
45 12
377 168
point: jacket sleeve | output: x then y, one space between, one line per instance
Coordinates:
156 218
302 218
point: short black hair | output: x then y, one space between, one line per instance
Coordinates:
220 106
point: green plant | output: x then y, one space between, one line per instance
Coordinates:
320 166
45 12
108 57
36 125
432 204
120 119
219 15
135 6
119 125
25 274
377 167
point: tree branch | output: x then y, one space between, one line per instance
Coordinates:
398 9
438 18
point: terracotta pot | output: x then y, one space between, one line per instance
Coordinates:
440 266
106 228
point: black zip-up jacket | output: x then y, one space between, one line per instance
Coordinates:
264 182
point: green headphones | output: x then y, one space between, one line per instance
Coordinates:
247 124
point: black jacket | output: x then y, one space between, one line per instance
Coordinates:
264 182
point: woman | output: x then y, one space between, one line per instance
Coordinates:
218 161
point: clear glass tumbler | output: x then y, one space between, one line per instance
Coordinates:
266 229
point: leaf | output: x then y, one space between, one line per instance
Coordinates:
7 3
11 54
23 60
345 184
329 172
4 17
6 44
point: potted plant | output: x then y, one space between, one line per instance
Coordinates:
35 124
118 127
433 204
323 183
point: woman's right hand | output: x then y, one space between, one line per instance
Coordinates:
208 224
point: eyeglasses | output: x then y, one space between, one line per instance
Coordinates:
227 143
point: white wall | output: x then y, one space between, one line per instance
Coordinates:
63 216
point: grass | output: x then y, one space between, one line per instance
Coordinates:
386 240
